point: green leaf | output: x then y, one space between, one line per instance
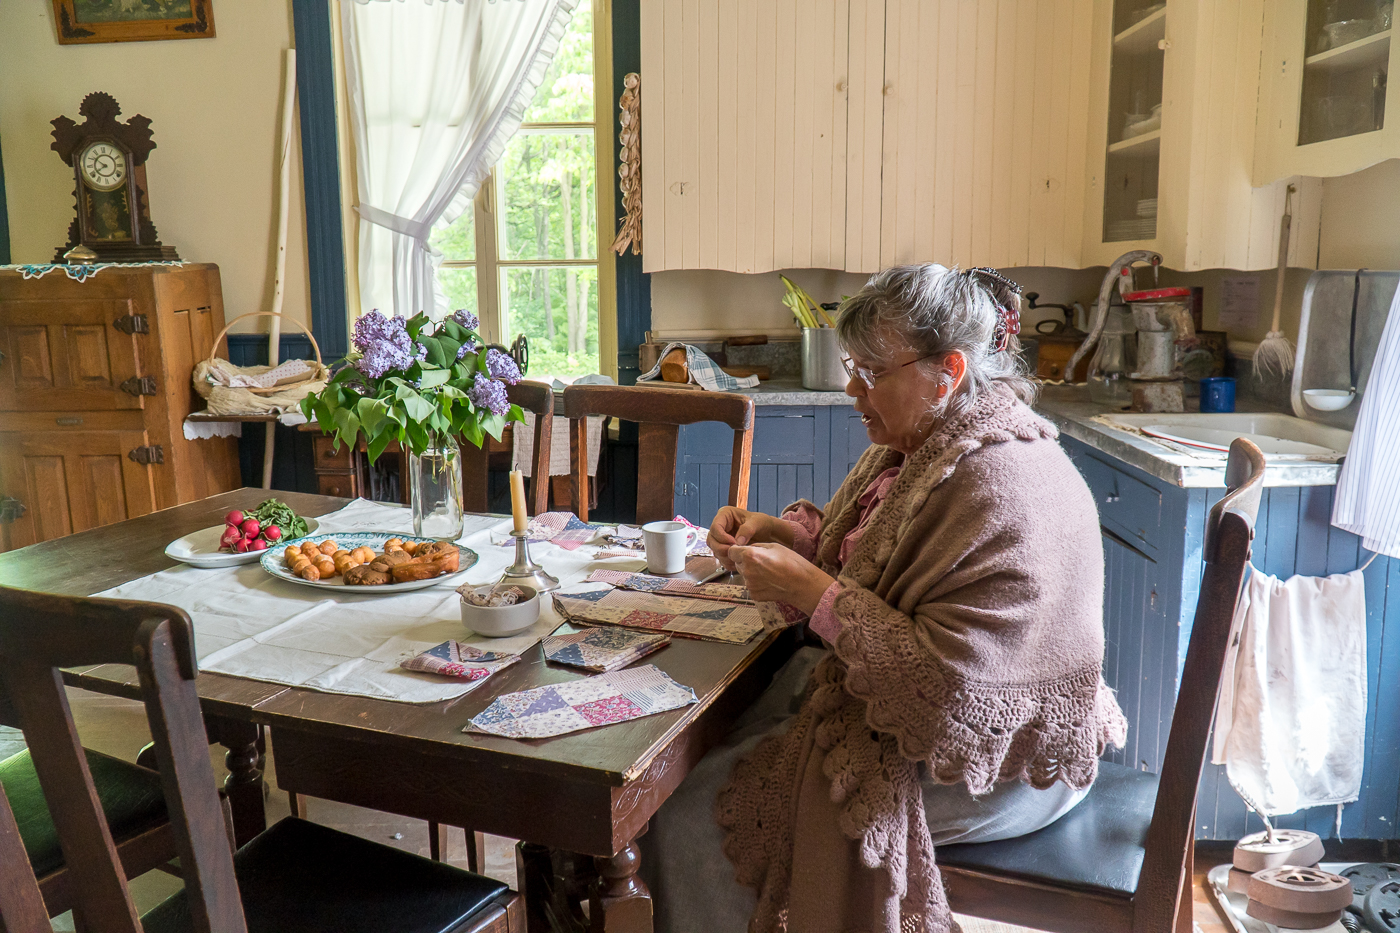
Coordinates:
436 354
472 432
346 374
415 406
417 436
432 378
494 425
516 413
373 415
376 445
347 426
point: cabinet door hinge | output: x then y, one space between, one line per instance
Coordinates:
132 324
11 509
139 385
151 454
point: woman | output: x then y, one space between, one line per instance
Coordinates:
956 579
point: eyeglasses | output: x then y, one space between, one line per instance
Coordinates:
868 376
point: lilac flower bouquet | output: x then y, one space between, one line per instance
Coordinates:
418 383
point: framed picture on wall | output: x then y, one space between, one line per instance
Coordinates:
82 21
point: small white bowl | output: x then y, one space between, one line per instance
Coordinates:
500 621
1328 399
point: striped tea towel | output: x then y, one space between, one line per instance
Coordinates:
704 371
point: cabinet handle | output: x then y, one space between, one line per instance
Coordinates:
11 509
152 454
1111 497
130 324
139 385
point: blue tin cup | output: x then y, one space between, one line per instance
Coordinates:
1218 394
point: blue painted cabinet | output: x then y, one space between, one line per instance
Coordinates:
1152 535
799 452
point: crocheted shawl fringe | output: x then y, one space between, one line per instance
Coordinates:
1039 733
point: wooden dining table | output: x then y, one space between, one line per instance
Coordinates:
577 800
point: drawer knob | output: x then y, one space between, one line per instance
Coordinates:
1111 497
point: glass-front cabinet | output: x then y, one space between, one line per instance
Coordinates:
1323 97
1132 162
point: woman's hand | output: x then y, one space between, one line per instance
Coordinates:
774 572
734 526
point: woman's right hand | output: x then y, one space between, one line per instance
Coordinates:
735 526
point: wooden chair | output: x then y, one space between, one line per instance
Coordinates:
659 413
1121 860
131 799
538 399
296 876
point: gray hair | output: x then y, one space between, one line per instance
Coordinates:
931 310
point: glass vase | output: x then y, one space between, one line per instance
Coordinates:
435 484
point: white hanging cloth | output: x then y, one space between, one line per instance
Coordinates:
1290 725
1367 502
436 91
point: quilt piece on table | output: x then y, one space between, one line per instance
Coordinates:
603 604
601 649
454 659
582 704
649 583
562 529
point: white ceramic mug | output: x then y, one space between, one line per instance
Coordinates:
667 545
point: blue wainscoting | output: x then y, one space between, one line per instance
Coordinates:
799 452
1153 569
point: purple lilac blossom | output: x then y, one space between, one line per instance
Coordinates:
469 347
466 319
502 367
489 394
386 346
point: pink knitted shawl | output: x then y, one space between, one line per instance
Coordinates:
971 646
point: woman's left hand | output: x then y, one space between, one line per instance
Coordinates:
774 572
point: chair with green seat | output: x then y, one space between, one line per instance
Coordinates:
297 877
131 799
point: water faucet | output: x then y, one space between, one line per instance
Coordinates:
1118 270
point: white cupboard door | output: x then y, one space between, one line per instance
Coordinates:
746 152
1296 79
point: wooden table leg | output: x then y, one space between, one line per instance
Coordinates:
244 784
620 901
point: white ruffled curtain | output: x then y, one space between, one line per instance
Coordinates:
437 89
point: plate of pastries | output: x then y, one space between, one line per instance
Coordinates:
368 562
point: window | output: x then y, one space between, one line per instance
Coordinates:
526 257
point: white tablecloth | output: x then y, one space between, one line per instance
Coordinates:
250 624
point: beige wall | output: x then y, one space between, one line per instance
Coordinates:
213 105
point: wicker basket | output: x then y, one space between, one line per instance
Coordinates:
317 373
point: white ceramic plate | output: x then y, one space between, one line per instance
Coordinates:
201 549
275 564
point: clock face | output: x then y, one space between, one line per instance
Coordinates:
103 166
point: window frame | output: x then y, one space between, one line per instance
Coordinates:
487 262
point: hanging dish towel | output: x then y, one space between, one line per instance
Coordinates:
1290 726
1368 491
704 371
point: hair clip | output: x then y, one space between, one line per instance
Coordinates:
1008 323
996 276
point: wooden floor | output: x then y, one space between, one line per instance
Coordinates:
118 727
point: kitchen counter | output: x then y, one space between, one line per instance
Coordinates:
1077 416
787 390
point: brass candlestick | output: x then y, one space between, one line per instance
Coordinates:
525 570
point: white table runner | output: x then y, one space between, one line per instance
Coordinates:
250 624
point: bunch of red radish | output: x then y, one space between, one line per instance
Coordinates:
245 534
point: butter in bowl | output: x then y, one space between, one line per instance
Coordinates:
496 611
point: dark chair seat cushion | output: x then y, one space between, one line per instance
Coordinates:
131 798
1097 847
300 876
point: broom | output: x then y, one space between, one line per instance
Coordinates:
1274 355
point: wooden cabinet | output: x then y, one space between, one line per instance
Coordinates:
856 134
94 388
1323 105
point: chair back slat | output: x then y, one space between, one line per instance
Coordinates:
659 411
41 633
59 762
22 908
1227 548
538 399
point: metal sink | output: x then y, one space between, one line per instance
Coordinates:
1280 437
